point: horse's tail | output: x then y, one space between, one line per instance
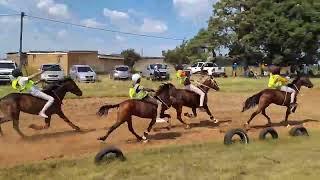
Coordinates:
252 101
104 109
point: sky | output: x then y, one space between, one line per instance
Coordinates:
180 19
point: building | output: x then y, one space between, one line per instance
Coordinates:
101 63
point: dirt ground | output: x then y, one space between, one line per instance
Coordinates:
60 141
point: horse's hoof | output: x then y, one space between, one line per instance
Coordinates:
101 138
288 125
145 140
187 126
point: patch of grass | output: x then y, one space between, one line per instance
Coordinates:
110 88
286 158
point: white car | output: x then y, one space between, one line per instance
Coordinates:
6 68
208 67
83 73
53 72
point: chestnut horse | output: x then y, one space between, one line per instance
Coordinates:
12 104
273 96
140 108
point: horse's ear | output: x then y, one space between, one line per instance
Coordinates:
211 76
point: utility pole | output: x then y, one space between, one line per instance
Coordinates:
20 47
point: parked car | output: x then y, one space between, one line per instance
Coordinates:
6 68
149 73
53 72
83 73
207 67
120 72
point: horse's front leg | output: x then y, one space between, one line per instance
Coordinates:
210 114
179 112
46 126
146 133
288 112
64 117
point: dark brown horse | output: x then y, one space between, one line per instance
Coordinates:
183 97
140 108
14 103
272 96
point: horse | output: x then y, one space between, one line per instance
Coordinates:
183 97
12 104
273 96
140 108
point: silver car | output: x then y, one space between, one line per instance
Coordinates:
53 72
120 72
83 73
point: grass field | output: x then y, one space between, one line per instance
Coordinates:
286 158
111 88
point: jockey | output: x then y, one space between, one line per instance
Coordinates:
276 81
185 80
139 92
25 84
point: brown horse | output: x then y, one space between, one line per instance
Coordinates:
14 103
140 108
183 97
268 96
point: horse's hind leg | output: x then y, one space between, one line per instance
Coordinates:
265 115
130 127
254 115
112 128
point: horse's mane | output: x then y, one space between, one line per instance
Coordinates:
56 85
163 87
294 81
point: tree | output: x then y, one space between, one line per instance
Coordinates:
282 31
130 57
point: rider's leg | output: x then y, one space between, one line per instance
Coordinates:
159 106
198 91
292 96
40 94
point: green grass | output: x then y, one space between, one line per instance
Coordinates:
286 158
111 88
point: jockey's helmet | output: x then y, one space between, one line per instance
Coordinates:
135 77
275 69
16 73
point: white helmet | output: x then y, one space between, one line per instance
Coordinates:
135 77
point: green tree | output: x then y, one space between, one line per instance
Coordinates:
130 57
275 30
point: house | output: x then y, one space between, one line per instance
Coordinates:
101 63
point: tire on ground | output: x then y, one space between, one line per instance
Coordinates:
269 130
232 132
107 151
298 131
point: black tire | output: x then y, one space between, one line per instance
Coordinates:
230 134
99 158
298 131
269 130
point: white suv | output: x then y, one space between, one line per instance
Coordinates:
208 67
6 68
53 72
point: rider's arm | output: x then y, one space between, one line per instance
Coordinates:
149 90
35 74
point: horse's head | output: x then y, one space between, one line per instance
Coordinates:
305 81
71 86
211 83
167 88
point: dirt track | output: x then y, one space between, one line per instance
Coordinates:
61 141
